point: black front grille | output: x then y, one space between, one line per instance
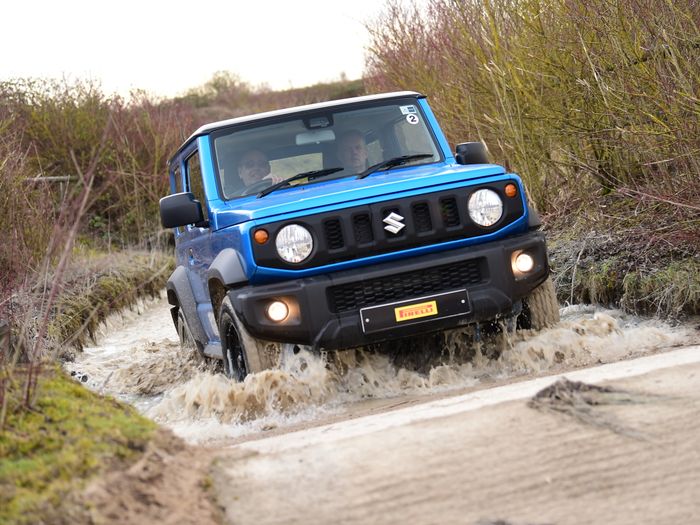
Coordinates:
334 234
449 212
362 228
421 217
353 296
361 231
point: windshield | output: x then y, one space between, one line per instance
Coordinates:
322 145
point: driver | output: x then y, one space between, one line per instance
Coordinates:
254 167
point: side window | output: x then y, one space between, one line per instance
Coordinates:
177 179
194 181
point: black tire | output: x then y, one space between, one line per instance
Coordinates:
540 308
187 340
243 354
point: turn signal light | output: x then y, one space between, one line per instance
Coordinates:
511 190
261 236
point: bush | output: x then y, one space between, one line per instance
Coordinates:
26 218
227 96
64 127
581 98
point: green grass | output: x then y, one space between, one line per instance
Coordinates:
71 435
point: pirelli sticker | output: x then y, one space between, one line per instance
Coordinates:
426 309
415 311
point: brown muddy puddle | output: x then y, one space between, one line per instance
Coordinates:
138 360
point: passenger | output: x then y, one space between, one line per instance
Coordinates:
352 151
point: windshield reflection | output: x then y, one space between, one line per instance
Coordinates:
311 148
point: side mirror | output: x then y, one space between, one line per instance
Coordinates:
180 209
471 153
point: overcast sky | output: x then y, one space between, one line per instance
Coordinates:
167 47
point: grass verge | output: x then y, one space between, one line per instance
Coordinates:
644 268
51 451
105 284
71 435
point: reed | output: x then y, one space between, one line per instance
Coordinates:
583 99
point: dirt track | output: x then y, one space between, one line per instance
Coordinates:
632 458
381 445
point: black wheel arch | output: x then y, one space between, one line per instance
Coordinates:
226 272
181 297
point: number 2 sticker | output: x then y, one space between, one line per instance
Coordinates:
412 119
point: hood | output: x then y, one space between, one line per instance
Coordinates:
348 190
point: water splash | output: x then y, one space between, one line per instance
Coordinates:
188 394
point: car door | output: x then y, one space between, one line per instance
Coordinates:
195 239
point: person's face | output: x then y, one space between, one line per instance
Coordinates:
253 167
352 153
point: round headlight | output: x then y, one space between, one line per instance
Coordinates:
294 243
485 207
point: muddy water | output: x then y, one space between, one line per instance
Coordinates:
138 359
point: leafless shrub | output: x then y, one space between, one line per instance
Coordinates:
581 98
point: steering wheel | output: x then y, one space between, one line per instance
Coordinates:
257 187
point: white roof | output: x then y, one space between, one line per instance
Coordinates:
207 128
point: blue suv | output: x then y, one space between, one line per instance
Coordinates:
341 224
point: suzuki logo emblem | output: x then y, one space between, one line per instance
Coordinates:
393 223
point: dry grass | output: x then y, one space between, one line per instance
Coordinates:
595 104
581 98
226 96
104 284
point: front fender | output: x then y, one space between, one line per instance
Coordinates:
227 269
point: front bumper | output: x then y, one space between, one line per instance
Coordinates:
325 310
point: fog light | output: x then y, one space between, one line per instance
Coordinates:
523 263
277 311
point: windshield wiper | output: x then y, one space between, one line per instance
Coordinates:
392 163
314 174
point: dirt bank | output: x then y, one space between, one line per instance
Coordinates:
167 485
